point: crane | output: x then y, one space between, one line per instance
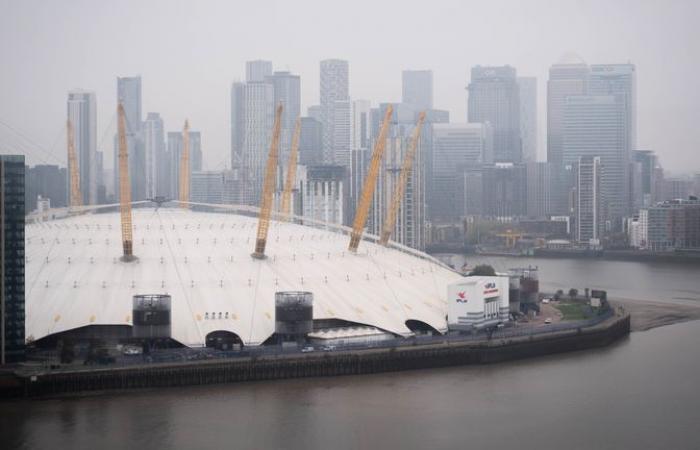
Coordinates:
358 224
75 196
268 188
185 167
291 171
125 189
390 219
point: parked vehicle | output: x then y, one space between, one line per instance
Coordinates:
307 349
548 320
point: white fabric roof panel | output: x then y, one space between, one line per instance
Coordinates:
74 275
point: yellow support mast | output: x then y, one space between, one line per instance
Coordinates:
76 198
268 188
185 167
291 172
370 183
125 189
390 219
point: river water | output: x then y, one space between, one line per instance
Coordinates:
641 393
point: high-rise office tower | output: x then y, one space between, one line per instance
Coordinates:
455 147
588 200
432 116
12 312
129 95
618 80
82 112
287 92
49 182
310 146
417 89
334 87
595 126
539 189
342 132
207 187
314 111
569 77
504 190
648 162
494 98
256 71
154 154
409 225
528 117
252 119
174 153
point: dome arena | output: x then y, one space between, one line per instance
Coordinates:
75 276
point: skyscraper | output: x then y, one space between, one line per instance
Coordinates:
154 152
455 147
47 181
174 153
539 189
595 126
12 312
618 80
334 87
589 221
129 95
310 147
342 132
256 71
82 112
417 89
287 91
569 77
494 98
504 190
252 119
528 117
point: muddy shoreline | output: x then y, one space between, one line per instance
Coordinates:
647 314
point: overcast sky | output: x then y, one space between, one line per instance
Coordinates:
188 53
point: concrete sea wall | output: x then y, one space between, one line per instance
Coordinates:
447 353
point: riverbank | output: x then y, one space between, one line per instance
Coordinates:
444 353
647 315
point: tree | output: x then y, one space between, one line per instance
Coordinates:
483 270
573 293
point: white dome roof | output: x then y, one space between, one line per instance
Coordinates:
74 276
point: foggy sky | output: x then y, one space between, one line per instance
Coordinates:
188 53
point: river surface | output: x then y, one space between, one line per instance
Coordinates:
640 393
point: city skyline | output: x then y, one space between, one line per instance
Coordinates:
375 74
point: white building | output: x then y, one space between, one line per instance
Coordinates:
322 193
202 260
477 302
588 199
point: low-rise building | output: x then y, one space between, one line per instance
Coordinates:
477 302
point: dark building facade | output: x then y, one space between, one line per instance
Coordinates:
12 258
47 181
